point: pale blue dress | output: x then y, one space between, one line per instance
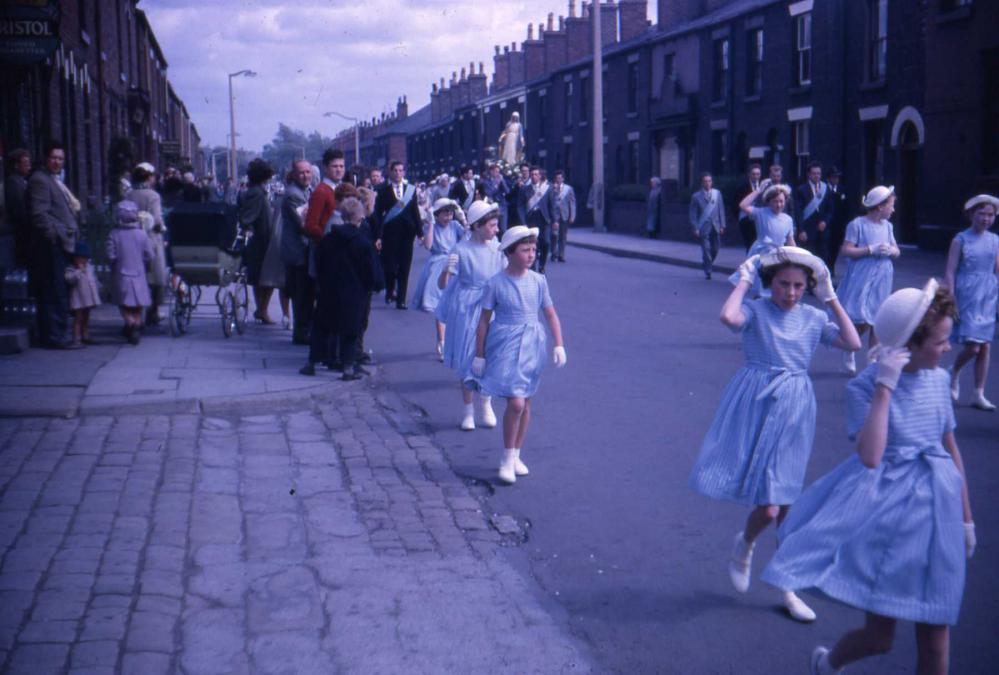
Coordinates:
888 540
426 294
772 231
975 287
868 280
516 345
758 445
461 303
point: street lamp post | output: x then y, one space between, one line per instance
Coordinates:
214 155
357 133
232 120
598 120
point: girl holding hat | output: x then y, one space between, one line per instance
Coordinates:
440 239
84 293
129 251
972 265
510 352
773 227
472 263
759 442
869 247
889 529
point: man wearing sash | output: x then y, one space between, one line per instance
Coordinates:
466 189
707 219
397 224
812 212
539 214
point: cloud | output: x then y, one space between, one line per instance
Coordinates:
318 55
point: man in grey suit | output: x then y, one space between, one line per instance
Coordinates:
295 250
539 213
563 208
54 231
707 219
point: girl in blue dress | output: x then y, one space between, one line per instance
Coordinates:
440 239
974 256
869 247
889 529
759 442
511 351
774 228
471 264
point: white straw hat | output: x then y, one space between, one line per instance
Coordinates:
444 203
877 196
796 255
901 312
981 199
772 191
515 234
146 166
481 210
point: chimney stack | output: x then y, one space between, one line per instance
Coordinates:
579 35
501 69
632 17
608 23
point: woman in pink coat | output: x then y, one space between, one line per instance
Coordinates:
129 251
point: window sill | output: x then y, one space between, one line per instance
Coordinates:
631 115
873 86
953 15
800 89
754 98
718 105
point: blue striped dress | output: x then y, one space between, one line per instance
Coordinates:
976 288
772 231
426 294
516 343
758 445
888 540
867 281
461 303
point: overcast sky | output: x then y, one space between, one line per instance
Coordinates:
312 56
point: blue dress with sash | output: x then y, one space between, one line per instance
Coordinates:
868 280
888 540
976 288
772 231
758 445
427 295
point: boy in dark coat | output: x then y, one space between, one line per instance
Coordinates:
345 272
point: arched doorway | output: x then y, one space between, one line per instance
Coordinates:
908 178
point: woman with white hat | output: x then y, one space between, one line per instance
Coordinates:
869 247
972 266
889 529
440 238
757 448
773 227
471 263
510 352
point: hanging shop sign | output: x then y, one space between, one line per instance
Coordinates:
29 30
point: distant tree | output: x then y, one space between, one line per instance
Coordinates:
288 144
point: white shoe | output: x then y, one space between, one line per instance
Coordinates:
819 657
797 608
955 385
507 469
741 563
488 416
519 467
982 403
849 363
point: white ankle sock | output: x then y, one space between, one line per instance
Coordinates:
824 666
469 409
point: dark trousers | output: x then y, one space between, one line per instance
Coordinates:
558 240
397 257
302 289
747 228
818 244
364 326
536 219
47 281
348 351
837 233
709 249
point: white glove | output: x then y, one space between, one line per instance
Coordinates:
891 361
969 539
885 250
452 263
559 357
872 250
478 366
824 290
749 269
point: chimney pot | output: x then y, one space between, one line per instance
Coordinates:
530 31
572 9
551 21
561 23
482 69
497 50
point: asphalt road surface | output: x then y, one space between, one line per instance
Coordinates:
633 560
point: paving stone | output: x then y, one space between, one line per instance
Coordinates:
214 642
160 582
275 534
288 654
101 653
151 632
105 623
160 604
39 659
48 631
286 601
146 663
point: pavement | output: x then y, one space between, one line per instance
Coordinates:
193 505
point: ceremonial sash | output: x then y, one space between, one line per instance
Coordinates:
709 210
814 204
407 196
536 197
467 204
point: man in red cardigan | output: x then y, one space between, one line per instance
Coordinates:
322 203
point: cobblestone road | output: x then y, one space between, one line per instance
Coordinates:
335 539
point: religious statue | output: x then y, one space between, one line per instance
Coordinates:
511 141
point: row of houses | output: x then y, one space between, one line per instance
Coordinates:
91 74
889 91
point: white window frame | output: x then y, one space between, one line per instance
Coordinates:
803 48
